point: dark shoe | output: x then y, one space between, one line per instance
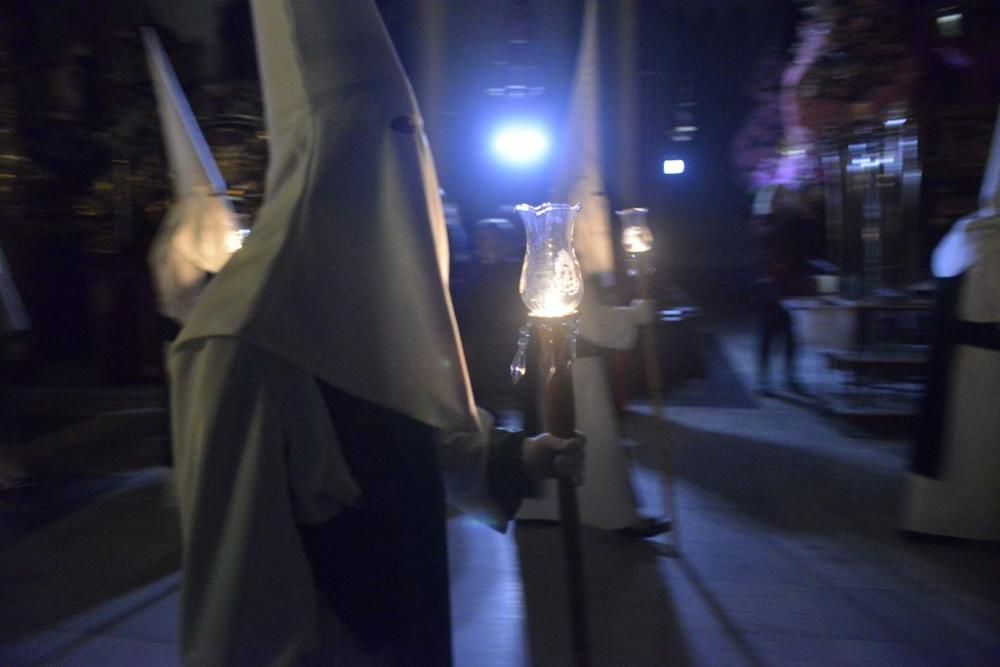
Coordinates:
645 528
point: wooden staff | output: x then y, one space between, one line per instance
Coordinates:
560 419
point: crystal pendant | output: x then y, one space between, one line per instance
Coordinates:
518 367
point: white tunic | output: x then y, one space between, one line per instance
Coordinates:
255 454
606 499
243 559
344 280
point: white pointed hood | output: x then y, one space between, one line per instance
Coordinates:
580 179
199 232
346 271
976 235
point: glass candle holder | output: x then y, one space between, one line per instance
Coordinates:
551 284
636 235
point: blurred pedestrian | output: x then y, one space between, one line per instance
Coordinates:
778 225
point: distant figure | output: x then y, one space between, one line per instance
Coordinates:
778 225
200 231
606 499
490 312
954 487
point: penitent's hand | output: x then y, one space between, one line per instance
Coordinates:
546 456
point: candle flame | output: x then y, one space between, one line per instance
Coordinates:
634 239
553 304
561 293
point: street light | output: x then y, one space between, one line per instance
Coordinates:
673 167
521 144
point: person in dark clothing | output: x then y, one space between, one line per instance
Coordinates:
778 227
490 312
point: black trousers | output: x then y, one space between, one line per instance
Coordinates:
775 322
383 565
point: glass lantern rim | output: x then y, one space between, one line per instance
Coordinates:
548 206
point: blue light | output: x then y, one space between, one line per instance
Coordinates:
521 145
671 167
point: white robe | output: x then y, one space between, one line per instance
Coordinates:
605 499
344 282
260 455
965 501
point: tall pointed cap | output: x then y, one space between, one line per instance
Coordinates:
191 164
581 178
200 231
989 193
345 274
296 46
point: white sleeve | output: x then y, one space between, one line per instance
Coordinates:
614 327
464 460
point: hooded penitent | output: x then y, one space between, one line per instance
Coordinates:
580 179
606 499
310 377
345 274
954 489
199 232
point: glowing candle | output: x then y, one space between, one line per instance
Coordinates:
551 284
636 235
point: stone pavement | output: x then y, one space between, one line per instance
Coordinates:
786 553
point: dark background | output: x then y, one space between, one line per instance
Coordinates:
86 184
